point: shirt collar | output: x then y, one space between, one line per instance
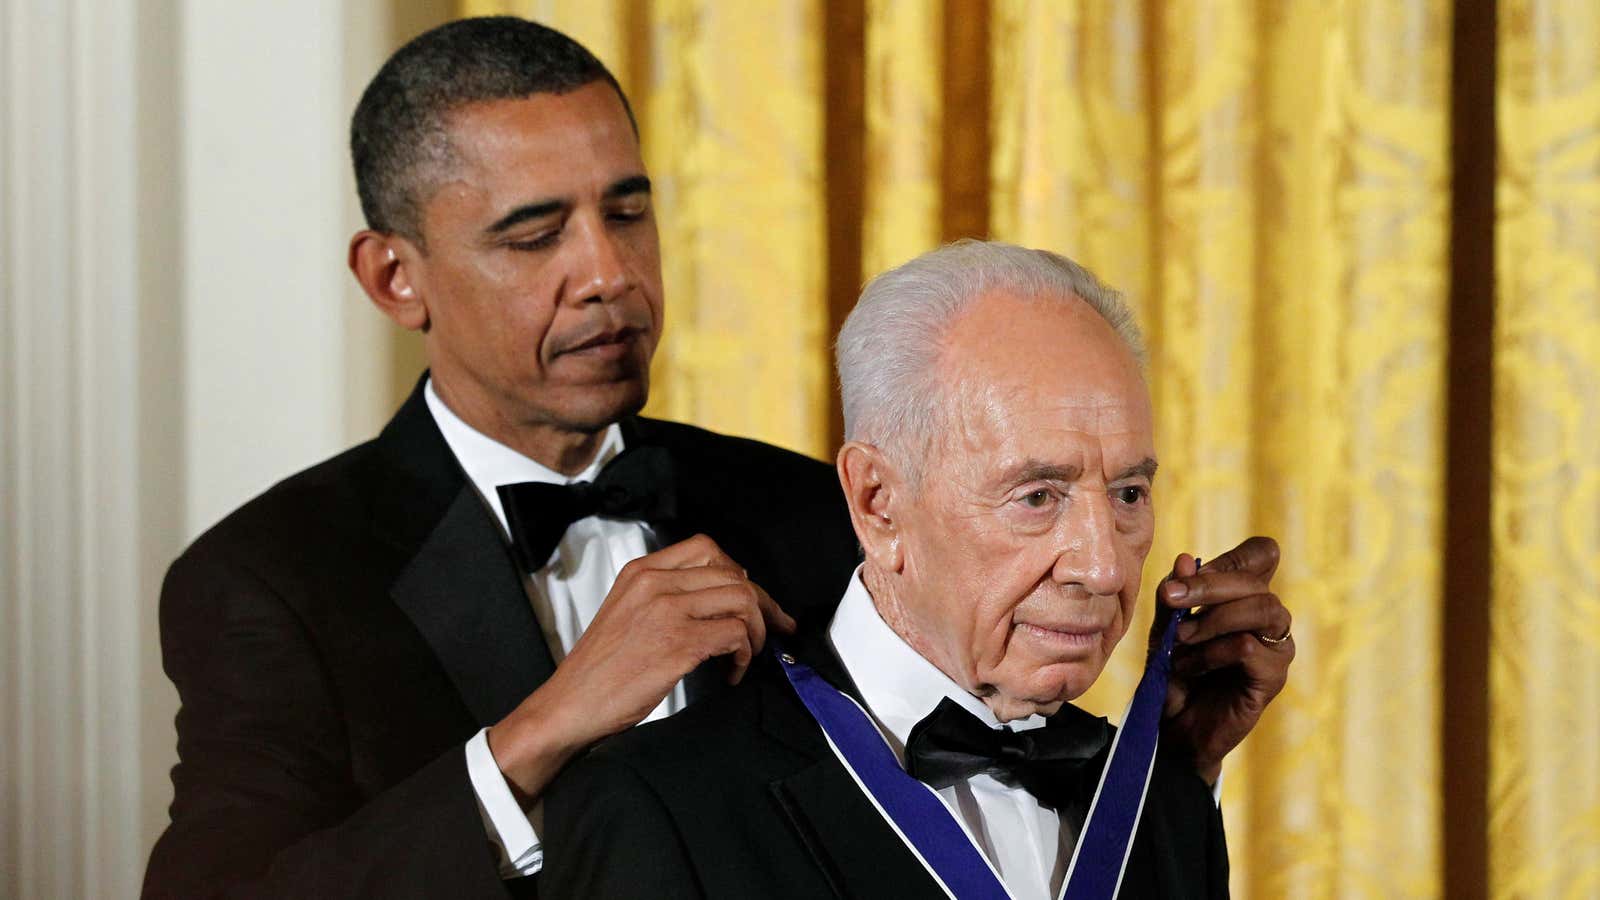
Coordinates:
489 463
899 685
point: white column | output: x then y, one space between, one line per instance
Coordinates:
71 525
176 332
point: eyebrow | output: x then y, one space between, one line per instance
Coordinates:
626 187
525 212
1145 467
633 184
1037 470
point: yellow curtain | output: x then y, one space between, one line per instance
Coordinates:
904 115
1545 620
1270 183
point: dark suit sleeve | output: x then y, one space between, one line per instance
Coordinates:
1217 869
265 804
608 834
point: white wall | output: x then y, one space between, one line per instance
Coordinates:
263 225
177 331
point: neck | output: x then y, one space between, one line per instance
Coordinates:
882 588
563 450
886 599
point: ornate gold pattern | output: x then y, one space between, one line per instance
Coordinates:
1544 674
1268 185
905 119
1268 182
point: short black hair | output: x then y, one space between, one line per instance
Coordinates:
399 135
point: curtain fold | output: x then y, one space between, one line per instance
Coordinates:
1352 308
733 119
1544 675
1270 185
903 205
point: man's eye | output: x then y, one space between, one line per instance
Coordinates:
540 242
1131 494
1037 499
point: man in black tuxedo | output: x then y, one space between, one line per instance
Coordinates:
998 468
367 653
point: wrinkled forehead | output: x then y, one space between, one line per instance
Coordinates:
1026 375
1068 423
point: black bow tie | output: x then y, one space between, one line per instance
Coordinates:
951 744
638 484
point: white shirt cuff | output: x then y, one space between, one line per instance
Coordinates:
508 828
1216 789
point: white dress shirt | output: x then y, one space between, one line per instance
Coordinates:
1028 844
565 593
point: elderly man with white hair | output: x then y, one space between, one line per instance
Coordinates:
998 465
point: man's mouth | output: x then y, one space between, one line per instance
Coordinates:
605 345
1065 636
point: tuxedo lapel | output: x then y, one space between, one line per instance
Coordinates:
461 588
462 592
859 852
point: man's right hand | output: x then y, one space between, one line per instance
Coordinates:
667 613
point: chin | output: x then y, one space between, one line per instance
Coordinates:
1061 682
1042 690
593 408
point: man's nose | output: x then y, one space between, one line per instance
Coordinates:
599 273
1089 547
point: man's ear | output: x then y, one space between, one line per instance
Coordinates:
383 264
875 492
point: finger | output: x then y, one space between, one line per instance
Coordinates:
1195 660
1260 614
1256 554
773 613
1183 566
1177 698
729 602
692 578
1212 587
723 637
1263 664
649 583
699 550
706 577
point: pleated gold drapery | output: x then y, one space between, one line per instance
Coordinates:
1270 183
1544 786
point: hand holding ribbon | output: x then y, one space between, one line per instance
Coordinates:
1234 652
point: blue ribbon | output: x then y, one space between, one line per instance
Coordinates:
923 821
1102 852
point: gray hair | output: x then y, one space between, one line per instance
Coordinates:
889 348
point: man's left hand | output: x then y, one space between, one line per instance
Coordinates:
1232 657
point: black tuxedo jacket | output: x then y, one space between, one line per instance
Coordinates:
337 640
741 797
